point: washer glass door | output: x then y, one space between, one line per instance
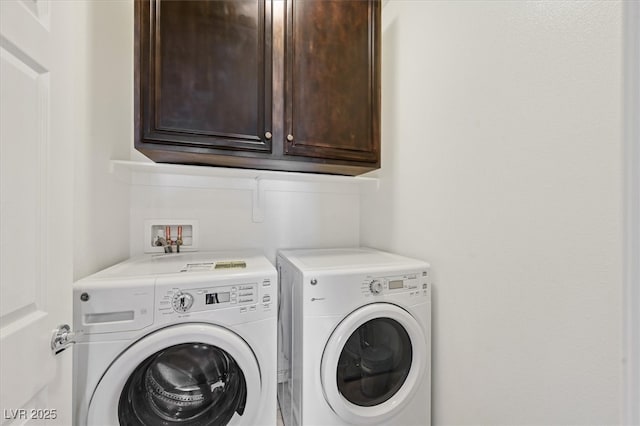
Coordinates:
188 384
372 363
189 374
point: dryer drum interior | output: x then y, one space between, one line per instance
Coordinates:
374 362
192 384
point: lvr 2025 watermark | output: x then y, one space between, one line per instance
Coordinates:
29 414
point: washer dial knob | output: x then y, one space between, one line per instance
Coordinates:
375 286
182 302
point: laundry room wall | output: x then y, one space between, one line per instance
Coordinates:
295 215
502 165
103 105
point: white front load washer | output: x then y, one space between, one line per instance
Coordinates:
177 339
354 338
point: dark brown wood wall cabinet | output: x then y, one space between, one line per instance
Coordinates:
282 85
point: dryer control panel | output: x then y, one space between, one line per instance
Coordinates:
415 284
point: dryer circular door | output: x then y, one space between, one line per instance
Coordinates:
372 363
189 374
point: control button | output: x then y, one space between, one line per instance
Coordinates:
266 283
266 306
375 287
252 307
266 298
246 294
424 285
234 288
243 309
246 287
182 302
246 300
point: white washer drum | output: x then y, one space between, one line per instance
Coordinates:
372 363
190 374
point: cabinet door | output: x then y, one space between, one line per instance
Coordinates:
332 86
203 71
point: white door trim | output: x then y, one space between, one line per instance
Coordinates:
631 293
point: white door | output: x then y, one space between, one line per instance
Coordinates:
36 158
372 363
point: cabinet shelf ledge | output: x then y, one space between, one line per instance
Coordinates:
124 166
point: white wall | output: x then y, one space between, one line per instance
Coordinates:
502 166
296 215
632 224
105 120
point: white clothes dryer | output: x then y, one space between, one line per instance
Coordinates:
177 339
354 338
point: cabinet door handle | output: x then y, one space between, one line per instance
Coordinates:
267 135
290 137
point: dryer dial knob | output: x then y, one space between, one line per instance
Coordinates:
375 286
182 302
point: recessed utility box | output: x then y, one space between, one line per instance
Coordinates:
155 234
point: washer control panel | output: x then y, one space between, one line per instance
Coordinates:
246 296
